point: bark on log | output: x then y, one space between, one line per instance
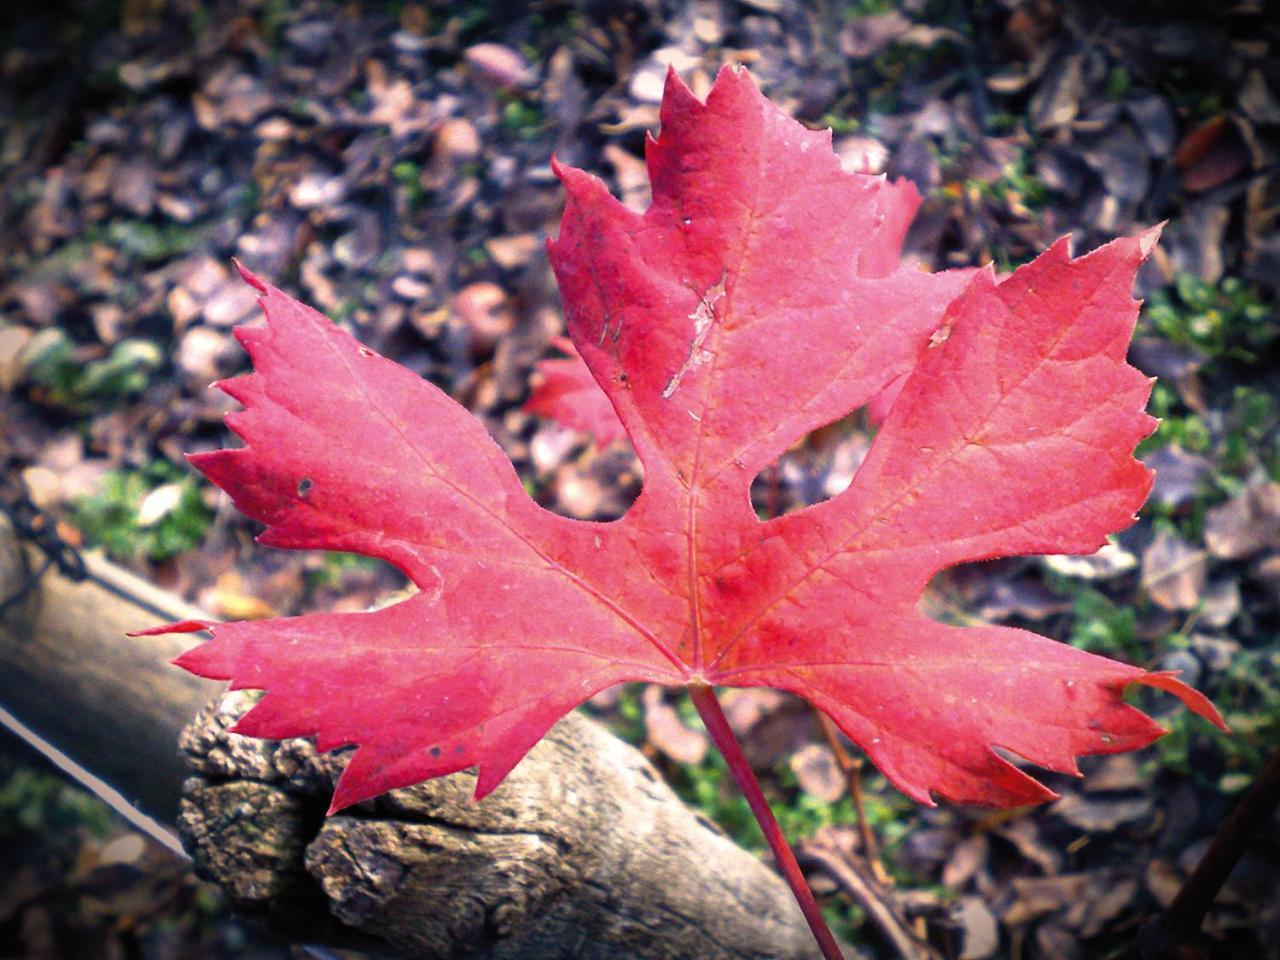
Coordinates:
584 852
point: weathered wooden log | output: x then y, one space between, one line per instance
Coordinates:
67 671
584 852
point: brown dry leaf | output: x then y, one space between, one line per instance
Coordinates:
134 188
361 246
642 116
1111 898
1257 100
42 303
593 491
1056 101
1246 524
12 341
864 37
458 141
1116 773
1163 881
650 77
1221 603
1119 157
395 105
1103 814
1056 942
43 486
862 154
1267 572
232 303
979 933
485 312
632 175
1022 597
668 733
1034 897
410 288
231 97
126 849
205 354
1173 571
747 706
232 600
498 64
1194 242
1180 476
818 773
1157 357
1211 154
317 191
1109 561
968 857
551 446
1030 26
513 251
1155 121
1024 834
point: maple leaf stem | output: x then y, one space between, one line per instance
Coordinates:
704 698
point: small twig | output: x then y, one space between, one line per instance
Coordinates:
1179 926
851 767
864 892
1187 912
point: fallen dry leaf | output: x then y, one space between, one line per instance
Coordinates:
1174 571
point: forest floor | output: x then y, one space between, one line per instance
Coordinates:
389 164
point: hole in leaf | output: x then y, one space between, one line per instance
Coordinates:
817 467
349 581
1017 759
1008 591
580 481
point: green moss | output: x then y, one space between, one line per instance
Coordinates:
839 124
335 565
409 175
50 364
710 787
1099 624
153 243
35 801
123 521
1017 184
868 8
1229 320
522 119
1118 83
1237 335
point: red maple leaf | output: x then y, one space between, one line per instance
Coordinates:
758 298
569 395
